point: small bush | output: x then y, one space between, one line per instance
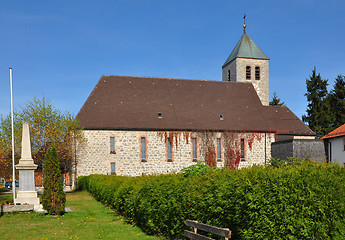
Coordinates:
276 162
196 169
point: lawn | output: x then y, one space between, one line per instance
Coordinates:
88 220
5 197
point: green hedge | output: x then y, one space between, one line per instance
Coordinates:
299 201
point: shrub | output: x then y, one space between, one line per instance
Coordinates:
196 169
53 197
297 201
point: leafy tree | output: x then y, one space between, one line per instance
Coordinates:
336 99
53 197
276 101
317 110
47 125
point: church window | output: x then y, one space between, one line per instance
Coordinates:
257 73
242 150
112 145
248 73
229 75
194 150
169 150
219 150
143 149
112 168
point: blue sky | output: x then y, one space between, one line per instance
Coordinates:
62 48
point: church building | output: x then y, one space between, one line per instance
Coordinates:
146 125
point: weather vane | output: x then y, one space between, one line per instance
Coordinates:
244 24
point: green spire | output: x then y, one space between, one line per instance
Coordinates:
246 48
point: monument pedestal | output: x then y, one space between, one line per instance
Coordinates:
26 169
29 197
26 192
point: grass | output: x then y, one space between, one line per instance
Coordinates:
5 197
89 220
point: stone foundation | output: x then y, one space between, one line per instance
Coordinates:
16 208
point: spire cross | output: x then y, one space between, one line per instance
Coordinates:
244 22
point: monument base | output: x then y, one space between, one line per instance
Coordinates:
29 197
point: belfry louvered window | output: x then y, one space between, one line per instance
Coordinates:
169 150
257 73
248 72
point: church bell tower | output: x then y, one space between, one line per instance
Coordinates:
248 63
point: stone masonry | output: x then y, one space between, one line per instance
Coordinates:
237 69
95 156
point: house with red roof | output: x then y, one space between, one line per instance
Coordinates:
146 125
335 145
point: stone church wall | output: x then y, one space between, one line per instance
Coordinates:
225 72
261 86
95 157
237 70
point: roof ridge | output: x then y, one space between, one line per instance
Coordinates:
338 132
178 79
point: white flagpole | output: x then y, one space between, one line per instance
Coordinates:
13 168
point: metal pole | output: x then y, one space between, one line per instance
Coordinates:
13 168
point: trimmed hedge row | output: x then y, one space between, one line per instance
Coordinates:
299 201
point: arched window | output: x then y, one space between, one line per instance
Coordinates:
257 73
243 156
143 149
169 150
248 72
219 149
194 149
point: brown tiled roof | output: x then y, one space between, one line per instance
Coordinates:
339 132
122 102
283 121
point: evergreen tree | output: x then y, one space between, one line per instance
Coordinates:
276 101
53 197
317 117
336 100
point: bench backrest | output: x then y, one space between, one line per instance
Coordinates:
223 232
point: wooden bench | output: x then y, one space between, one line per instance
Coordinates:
223 232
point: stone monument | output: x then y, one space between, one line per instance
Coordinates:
26 167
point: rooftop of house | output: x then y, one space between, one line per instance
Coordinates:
146 103
339 132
